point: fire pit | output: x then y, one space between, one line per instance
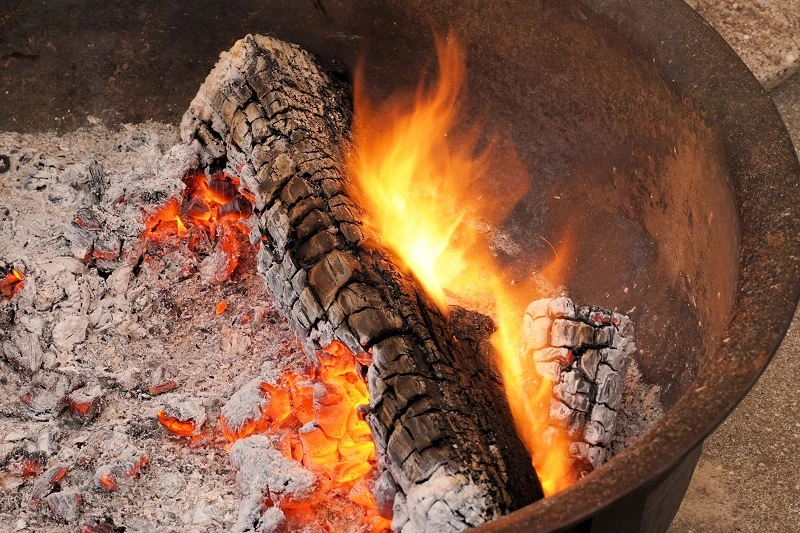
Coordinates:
647 161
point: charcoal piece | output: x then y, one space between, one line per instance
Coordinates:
473 468
585 359
186 411
45 484
107 250
22 462
261 469
98 525
239 207
81 241
84 403
121 471
24 351
64 505
47 396
97 180
244 408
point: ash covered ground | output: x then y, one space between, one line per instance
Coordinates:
152 327
103 339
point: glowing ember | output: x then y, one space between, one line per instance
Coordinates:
211 212
182 428
12 283
24 464
108 481
420 187
161 388
127 467
316 417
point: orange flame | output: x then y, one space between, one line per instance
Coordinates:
420 187
318 416
182 428
411 176
11 283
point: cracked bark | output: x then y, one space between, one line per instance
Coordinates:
446 443
584 352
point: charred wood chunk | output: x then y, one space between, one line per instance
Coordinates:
448 452
584 352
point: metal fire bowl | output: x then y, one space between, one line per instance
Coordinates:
653 152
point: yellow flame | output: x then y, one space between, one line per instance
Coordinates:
412 176
419 186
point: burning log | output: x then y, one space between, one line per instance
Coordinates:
584 352
445 439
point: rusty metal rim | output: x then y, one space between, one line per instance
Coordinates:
764 172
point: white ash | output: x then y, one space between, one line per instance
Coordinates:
638 410
444 503
73 327
186 409
261 469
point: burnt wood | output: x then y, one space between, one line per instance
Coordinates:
584 352
447 449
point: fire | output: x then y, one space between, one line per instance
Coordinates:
420 187
211 202
316 416
182 428
12 283
210 213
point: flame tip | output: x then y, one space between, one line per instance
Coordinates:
426 197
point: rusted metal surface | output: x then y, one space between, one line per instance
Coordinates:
636 111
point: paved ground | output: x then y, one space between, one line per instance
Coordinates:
765 34
748 478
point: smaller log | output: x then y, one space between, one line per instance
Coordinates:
584 351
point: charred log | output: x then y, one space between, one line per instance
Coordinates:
449 460
584 351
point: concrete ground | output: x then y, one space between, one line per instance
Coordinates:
765 34
748 478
